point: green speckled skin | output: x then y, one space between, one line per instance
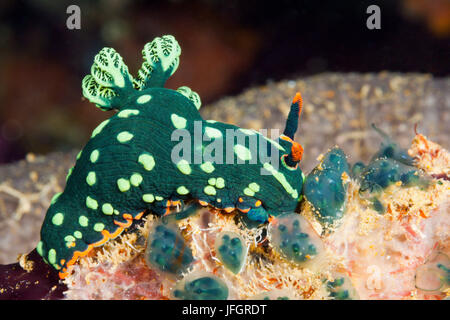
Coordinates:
126 167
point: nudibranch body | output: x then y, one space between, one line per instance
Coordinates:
127 168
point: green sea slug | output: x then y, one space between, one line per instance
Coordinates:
132 165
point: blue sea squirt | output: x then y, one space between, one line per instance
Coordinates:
295 239
325 187
201 286
231 250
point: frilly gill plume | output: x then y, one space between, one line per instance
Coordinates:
110 82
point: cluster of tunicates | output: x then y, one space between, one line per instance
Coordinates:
168 252
381 173
325 187
391 164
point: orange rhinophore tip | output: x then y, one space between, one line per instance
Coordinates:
293 116
297 151
298 98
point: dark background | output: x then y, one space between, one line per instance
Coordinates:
227 46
